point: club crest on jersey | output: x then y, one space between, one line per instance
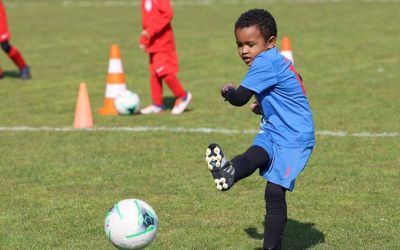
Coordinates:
148 5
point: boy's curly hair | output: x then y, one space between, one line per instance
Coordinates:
260 18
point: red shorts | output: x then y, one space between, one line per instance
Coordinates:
163 63
4 33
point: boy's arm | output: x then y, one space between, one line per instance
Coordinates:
159 22
236 96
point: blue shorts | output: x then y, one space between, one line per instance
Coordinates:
286 163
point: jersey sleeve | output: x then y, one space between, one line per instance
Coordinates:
260 76
159 22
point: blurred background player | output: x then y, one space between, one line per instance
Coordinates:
282 147
11 51
157 39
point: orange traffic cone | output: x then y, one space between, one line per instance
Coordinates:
115 82
83 112
286 49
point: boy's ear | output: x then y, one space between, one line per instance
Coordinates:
271 42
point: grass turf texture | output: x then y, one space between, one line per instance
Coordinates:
56 187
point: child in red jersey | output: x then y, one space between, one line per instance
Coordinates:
157 39
12 52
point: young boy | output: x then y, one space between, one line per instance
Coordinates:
285 141
12 52
157 39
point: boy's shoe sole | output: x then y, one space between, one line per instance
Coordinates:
221 169
152 109
181 104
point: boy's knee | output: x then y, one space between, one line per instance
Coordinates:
275 198
169 77
257 156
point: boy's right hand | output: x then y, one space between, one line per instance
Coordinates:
228 87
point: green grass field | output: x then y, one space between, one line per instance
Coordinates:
56 186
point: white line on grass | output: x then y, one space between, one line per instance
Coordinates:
116 3
187 130
215 2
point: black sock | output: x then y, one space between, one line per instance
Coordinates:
245 164
276 216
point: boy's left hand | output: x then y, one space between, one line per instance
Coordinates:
145 33
144 40
255 107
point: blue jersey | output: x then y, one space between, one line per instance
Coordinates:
286 113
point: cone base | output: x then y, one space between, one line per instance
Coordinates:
107 111
78 126
108 107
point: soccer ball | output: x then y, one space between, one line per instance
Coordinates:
131 224
127 102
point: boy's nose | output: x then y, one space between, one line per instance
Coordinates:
245 50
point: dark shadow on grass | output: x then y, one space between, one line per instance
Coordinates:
12 74
169 102
297 235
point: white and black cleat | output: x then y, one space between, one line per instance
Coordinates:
221 184
214 157
222 170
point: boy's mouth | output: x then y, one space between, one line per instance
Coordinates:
246 60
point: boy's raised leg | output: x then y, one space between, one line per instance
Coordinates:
221 169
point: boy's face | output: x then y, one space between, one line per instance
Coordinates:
251 42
